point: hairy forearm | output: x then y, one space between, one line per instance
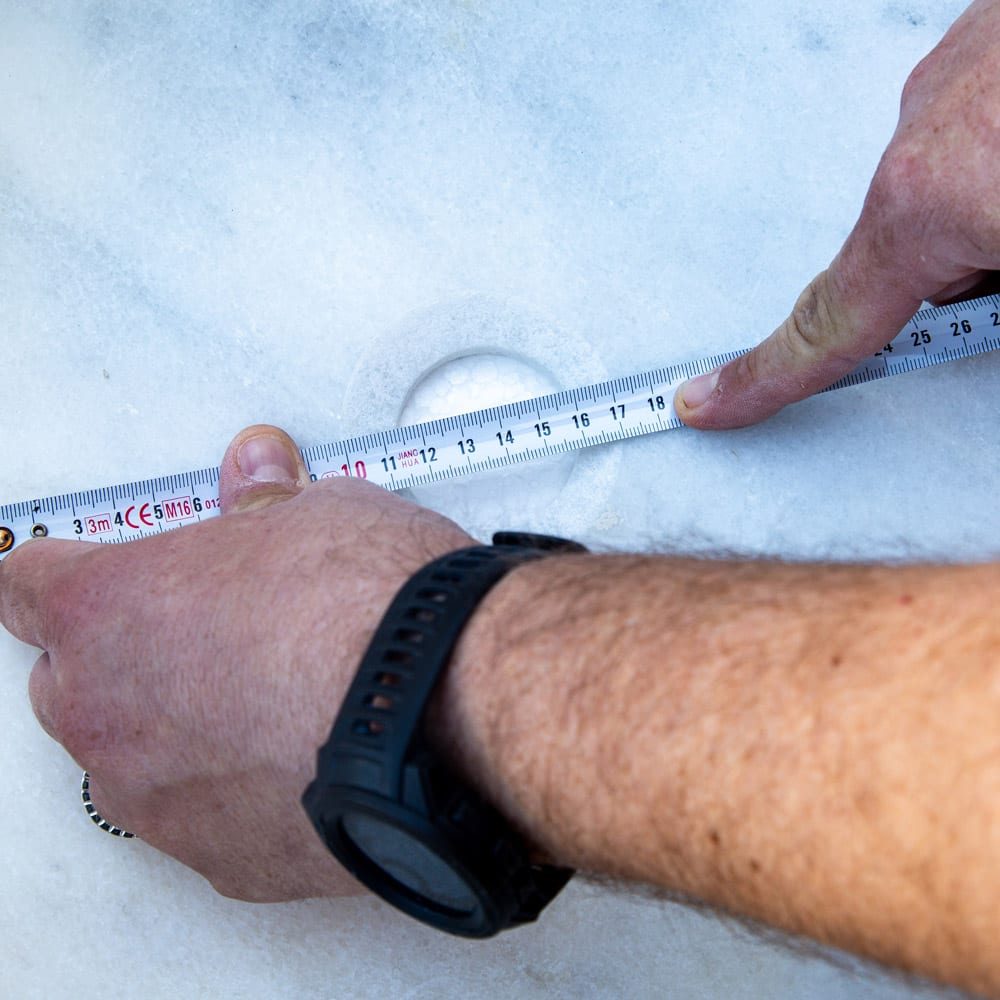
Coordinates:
816 747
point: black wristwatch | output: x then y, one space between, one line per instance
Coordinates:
389 810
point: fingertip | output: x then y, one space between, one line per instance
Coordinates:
831 329
691 397
726 398
265 453
262 465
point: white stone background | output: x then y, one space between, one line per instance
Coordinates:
214 214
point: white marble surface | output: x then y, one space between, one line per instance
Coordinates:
218 214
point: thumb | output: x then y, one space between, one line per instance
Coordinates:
262 466
846 314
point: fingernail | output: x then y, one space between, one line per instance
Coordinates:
267 460
697 390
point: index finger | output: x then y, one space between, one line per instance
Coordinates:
30 579
846 313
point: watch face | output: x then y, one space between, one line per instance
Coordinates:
410 863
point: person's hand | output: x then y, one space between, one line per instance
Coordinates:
195 673
929 230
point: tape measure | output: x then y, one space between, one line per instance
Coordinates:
480 441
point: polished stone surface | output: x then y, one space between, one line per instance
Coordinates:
218 214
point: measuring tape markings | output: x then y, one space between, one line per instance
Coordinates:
526 430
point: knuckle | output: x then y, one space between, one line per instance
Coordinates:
916 82
58 717
33 589
91 721
77 722
813 323
72 604
19 573
40 694
745 370
899 188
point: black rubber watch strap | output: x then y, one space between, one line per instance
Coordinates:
413 644
376 762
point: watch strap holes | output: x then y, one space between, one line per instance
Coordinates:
379 782
424 615
368 727
436 596
400 656
411 635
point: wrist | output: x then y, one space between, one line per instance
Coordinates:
385 801
492 715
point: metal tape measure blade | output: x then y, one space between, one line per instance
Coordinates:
477 442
